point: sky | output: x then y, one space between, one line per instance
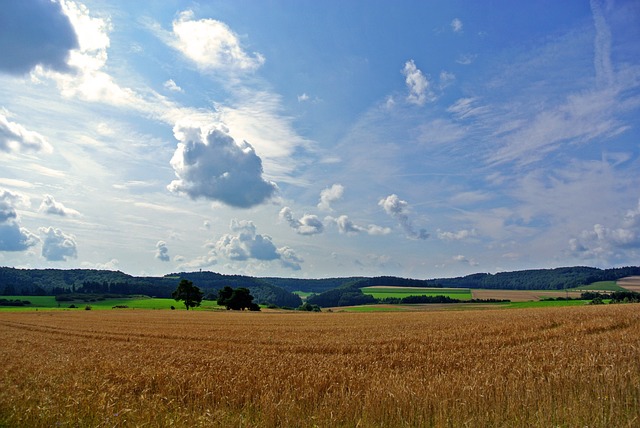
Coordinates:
312 139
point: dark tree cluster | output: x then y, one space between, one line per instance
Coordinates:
236 299
349 295
188 293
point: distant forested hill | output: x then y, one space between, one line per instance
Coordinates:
55 281
538 279
278 290
262 291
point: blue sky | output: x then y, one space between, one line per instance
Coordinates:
314 139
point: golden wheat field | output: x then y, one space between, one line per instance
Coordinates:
530 367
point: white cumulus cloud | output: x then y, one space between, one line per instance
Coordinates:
32 33
308 224
417 83
399 210
244 243
348 227
610 243
456 236
15 138
172 86
50 206
57 246
13 237
212 45
214 166
162 252
329 196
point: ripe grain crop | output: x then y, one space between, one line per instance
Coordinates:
533 367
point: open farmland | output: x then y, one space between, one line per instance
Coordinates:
575 366
522 295
132 302
380 292
631 283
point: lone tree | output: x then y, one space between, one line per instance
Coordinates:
189 293
236 299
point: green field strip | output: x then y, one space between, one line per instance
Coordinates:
400 292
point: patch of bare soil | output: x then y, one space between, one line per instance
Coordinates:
521 295
631 283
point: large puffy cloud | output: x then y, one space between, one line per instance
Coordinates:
49 205
34 32
57 245
8 202
16 238
89 81
213 165
245 244
399 210
15 137
212 45
308 224
329 196
417 83
618 243
13 237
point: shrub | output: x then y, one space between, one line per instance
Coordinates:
309 307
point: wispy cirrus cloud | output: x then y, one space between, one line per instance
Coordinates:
456 25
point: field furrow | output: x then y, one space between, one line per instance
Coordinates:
577 366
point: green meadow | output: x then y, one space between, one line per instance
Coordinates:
303 294
601 286
133 302
400 292
543 304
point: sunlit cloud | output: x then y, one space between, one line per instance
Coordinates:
330 195
57 246
212 45
16 138
399 210
417 84
212 165
50 206
308 224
